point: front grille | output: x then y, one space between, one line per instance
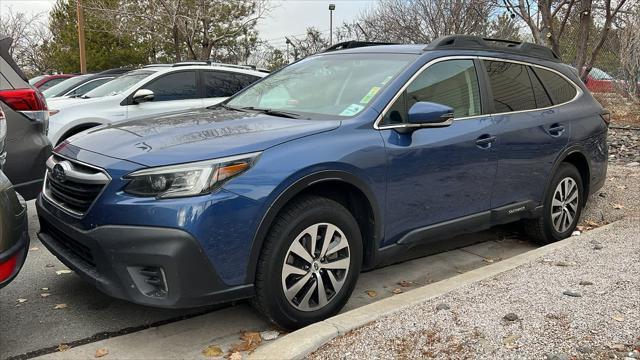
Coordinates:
80 250
73 186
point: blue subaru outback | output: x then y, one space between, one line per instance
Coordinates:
337 163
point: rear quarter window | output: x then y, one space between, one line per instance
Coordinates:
559 89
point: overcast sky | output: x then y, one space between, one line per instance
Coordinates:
287 17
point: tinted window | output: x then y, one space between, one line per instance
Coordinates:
175 86
453 83
558 88
542 98
224 84
50 83
511 86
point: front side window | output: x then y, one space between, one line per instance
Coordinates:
174 86
558 88
224 83
327 85
453 83
511 86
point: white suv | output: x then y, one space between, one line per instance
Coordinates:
152 90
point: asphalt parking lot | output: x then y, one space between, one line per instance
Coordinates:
45 307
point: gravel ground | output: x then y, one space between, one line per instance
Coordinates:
582 301
624 145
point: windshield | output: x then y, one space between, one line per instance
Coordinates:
331 84
36 79
60 88
119 85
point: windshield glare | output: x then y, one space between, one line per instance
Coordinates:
58 89
332 84
119 84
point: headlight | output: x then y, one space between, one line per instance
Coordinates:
188 179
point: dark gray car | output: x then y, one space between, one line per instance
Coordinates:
27 119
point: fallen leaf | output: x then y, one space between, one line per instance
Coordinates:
235 356
397 291
20 301
269 335
511 341
44 295
65 271
212 351
60 306
618 317
488 260
101 352
371 293
405 283
35 248
49 265
251 340
44 289
63 347
591 223
618 206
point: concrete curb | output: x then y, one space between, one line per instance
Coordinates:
303 342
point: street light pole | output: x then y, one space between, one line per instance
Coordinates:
83 56
331 8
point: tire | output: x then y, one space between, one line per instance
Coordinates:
551 227
280 266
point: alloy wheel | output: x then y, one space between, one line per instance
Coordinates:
315 266
564 204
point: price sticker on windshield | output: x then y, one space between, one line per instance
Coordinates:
374 90
352 110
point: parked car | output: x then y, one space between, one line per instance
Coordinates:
27 116
80 85
339 162
14 237
43 82
153 90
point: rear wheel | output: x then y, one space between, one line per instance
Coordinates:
310 263
561 209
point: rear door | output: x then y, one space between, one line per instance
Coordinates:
218 85
174 91
532 131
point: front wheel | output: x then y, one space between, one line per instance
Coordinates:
310 263
561 209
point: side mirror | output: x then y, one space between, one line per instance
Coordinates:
428 114
142 95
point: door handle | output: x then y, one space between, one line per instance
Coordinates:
485 141
556 130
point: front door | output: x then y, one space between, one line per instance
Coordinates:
175 91
439 174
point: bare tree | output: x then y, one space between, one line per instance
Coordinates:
548 19
28 32
630 54
420 21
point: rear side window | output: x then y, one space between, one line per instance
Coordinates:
511 86
542 97
558 88
175 86
50 83
88 86
225 84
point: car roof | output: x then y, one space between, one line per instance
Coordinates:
163 68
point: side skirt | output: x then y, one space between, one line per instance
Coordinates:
433 235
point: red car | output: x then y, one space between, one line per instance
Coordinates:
600 82
43 82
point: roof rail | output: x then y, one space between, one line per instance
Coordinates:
355 44
469 42
157 65
211 63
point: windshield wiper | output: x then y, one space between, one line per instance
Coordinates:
280 113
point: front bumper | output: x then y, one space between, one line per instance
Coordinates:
121 261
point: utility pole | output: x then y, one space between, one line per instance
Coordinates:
83 56
331 8
295 49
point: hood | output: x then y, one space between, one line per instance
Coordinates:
195 136
65 102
